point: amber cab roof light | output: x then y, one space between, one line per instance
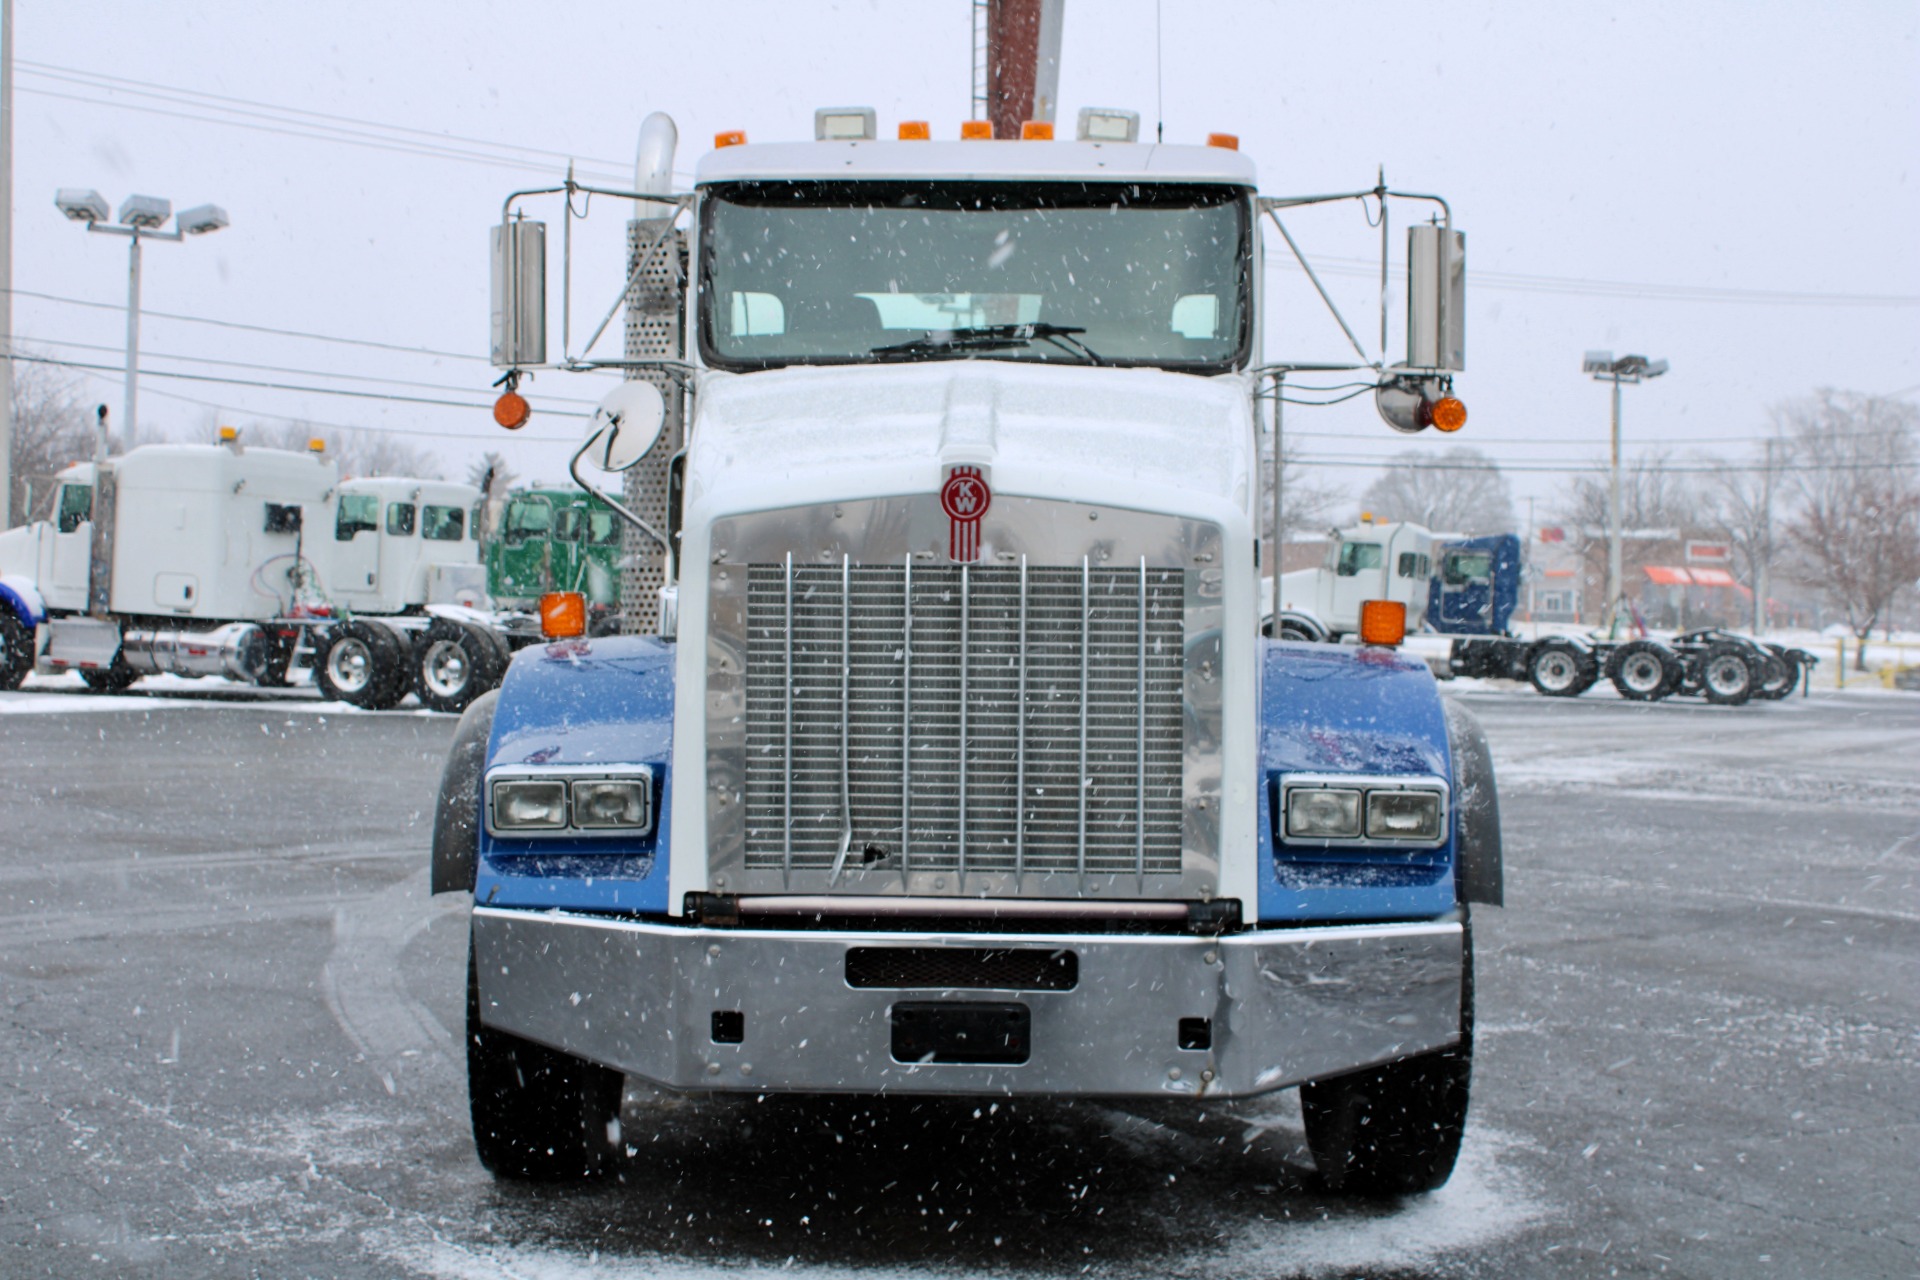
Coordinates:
563 614
1037 131
1383 622
976 131
729 138
915 131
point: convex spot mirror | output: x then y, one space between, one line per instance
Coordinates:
626 425
1399 399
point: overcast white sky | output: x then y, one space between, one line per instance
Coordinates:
1748 170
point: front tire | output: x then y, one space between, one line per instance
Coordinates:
1644 670
539 1115
1395 1130
16 649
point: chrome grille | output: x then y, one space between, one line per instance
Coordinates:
953 718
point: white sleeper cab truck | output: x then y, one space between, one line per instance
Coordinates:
1385 561
958 764
202 560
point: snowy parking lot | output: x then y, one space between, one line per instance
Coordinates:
232 1041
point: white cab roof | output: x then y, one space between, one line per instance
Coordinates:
981 161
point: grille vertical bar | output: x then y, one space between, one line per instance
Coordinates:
1140 744
1086 657
906 719
1021 722
786 758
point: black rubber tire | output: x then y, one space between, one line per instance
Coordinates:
117 678
1561 669
539 1115
1782 676
1395 1130
453 663
16 649
1645 670
1725 673
362 664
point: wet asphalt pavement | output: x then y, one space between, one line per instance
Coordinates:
231 1044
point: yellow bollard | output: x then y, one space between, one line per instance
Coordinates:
1840 663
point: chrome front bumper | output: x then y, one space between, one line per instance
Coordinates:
1284 1006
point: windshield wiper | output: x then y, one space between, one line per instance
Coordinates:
994 337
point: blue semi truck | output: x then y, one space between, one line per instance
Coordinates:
954 761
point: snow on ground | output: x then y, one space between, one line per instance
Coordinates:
44 694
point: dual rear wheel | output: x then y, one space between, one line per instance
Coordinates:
367 664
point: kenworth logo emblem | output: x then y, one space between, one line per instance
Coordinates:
965 498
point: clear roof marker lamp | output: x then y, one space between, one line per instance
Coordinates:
1342 811
545 804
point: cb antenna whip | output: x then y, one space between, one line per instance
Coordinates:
1159 93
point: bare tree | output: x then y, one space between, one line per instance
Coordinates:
359 452
1856 525
1461 491
1657 506
1307 505
490 474
52 428
1744 503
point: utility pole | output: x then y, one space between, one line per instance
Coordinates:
6 264
1023 62
1634 369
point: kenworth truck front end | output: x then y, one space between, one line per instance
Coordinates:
960 765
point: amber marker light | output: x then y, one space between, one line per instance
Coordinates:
1225 141
1382 622
316 445
915 131
729 138
1448 414
511 410
1037 131
563 615
976 131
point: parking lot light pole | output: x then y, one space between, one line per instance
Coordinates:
141 218
1629 369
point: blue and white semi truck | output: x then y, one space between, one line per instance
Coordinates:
956 762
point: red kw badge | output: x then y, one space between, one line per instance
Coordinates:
965 498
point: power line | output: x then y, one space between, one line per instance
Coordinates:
278 386
255 328
1516 282
279 368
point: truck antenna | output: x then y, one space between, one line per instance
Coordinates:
1159 91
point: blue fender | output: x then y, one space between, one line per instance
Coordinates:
1334 709
592 703
23 598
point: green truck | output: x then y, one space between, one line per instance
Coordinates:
555 540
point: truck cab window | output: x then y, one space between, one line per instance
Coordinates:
601 529
528 519
1408 565
76 506
567 525
1357 557
359 512
1462 567
443 524
825 272
400 519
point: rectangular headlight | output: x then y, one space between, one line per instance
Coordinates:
1404 815
623 804
530 804
1323 813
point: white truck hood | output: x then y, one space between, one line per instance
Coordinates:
1137 438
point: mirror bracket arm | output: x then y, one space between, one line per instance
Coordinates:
619 508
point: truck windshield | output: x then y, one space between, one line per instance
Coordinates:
1087 273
